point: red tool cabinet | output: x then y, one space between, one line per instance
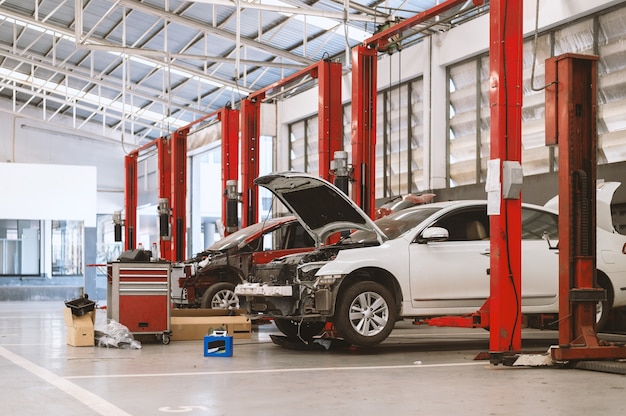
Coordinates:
138 297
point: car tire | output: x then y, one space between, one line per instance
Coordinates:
603 309
365 314
300 330
220 296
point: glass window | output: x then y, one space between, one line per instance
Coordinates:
466 225
297 142
536 223
347 129
463 129
399 140
535 153
612 87
107 249
312 139
416 136
20 247
67 248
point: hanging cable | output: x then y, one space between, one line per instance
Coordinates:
346 5
532 70
400 124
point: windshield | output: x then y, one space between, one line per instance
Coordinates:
234 239
394 225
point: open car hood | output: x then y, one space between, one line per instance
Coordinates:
321 207
604 196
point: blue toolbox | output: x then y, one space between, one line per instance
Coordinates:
218 344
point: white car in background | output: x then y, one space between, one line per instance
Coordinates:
425 261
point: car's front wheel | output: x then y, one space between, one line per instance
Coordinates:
220 296
365 314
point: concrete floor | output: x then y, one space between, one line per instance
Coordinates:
417 371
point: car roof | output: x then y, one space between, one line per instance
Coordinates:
250 233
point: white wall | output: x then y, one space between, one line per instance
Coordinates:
25 138
48 192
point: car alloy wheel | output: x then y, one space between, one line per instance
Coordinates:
365 314
220 296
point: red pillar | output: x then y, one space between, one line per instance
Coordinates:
330 115
164 171
230 151
364 86
178 198
505 54
130 201
250 129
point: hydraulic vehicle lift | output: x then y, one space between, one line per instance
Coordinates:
571 125
328 74
364 90
501 312
172 182
172 193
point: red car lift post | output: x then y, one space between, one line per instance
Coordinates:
571 124
330 127
230 159
502 310
506 92
250 130
329 110
172 179
178 194
364 88
165 163
168 187
130 191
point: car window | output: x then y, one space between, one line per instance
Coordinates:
234 239
287 236
535 223
394 225
468 224
298 237
274 239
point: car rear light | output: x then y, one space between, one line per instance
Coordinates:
624 249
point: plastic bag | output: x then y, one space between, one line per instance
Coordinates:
115 335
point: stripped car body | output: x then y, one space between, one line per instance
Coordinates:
211 276
426 261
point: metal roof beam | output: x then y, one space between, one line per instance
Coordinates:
108 46
62 101
185 21
109 82
301 9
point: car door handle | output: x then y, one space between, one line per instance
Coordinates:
486 252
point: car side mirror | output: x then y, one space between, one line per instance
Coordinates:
433 234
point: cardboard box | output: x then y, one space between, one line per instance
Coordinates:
80 332
195 324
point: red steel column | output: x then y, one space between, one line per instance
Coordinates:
364 67
250 128
178 194
330 115
164 170
505 55
130 201
230 151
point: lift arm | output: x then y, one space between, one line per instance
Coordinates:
364 89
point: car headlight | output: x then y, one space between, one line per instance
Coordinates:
328 280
